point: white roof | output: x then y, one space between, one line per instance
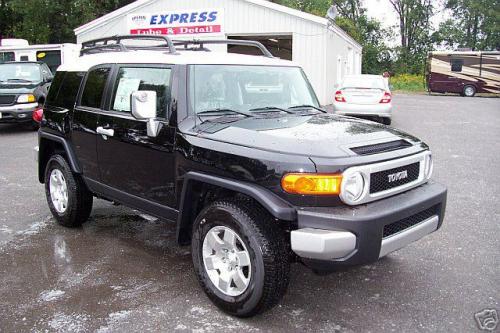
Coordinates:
136 5
85 62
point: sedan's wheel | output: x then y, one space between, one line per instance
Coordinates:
227 261
469 91
240 256
69 199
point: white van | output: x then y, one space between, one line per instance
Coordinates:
53 55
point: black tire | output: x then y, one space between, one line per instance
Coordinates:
469 91
268 251
34 125
386 121
80 199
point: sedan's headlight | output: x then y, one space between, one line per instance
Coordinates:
352 188
26 98
428 166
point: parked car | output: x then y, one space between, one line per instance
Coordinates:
23 89
364 95
235 150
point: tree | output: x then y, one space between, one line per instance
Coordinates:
7 19
415 33
475 24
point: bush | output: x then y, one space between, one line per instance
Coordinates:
408 82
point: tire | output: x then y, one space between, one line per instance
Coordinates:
78 198
34 125
469 91
268 254
386 121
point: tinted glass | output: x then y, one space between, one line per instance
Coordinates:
244 88
456 65
136 79
94 88
51 58
7 56
55 86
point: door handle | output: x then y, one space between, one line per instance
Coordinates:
105 132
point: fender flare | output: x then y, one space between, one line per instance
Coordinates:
275 205
70 153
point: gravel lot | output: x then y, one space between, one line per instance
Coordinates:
123 272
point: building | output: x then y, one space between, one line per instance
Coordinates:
325 51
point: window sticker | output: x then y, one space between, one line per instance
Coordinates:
124 91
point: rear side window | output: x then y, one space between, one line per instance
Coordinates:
94 88
7 56
456 65
64 89
132 79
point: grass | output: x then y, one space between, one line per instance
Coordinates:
408 83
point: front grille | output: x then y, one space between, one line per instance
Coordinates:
7 99
410 221
381 147
381 181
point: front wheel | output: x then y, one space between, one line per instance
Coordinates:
240 256
69 199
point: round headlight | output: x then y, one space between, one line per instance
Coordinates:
429 166
353 186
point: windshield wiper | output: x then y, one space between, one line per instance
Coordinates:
223 112
306 106
20 80
270 109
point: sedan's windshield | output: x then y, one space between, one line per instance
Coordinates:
248 88
19 72
364 82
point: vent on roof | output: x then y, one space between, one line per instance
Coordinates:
381 147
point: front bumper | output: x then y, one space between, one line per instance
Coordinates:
379 110
331 237
17 113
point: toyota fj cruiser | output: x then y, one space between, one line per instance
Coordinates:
236 150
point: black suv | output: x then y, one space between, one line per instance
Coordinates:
23 88
235 150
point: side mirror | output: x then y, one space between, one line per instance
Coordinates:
144 104
144 108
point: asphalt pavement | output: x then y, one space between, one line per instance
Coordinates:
123 271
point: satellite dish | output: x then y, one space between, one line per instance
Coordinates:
331 14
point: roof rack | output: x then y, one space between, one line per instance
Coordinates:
201 43
114 44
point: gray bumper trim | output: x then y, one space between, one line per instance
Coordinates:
322 244
410 235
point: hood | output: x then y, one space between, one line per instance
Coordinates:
17 88
323 135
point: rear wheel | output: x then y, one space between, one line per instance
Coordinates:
240 256
469 91
69 199
386 121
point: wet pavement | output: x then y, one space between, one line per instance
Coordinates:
123 271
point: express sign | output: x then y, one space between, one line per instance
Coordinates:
183 22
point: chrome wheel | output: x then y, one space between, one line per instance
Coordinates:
469 91
227 261
58 191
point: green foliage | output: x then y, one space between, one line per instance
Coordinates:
475 24
408 82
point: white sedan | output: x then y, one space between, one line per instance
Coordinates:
364 95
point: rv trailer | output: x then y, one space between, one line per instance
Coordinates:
463 72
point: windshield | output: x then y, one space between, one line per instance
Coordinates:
248 88
20 72
364 82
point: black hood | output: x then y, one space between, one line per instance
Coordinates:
324 136
17 88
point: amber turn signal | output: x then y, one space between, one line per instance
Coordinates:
311 184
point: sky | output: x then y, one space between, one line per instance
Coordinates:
384 12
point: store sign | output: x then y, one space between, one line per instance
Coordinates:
179 22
